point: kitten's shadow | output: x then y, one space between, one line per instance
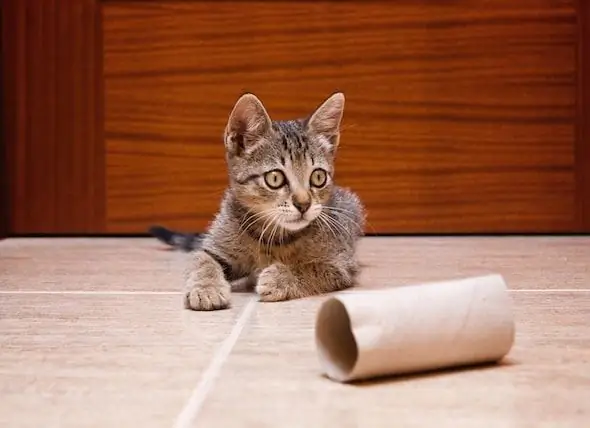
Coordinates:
430 374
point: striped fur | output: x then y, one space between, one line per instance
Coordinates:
290 235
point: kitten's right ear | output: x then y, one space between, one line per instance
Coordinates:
325 121
247 124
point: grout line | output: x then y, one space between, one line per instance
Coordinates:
189 413
174 293
550 290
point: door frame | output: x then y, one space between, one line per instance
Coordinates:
41 191
53 116
4 197
582 151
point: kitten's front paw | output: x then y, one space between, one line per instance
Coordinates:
276 283
206 287
208 297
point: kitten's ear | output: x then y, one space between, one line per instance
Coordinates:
247 123
325 121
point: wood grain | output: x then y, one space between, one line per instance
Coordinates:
460 117
583 124
4 164
53 116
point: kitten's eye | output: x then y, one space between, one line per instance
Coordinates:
318 178
275 179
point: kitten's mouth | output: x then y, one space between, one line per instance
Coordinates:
296 224
297 221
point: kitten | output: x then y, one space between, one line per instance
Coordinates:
284 227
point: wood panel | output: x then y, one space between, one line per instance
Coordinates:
583 137
53 116
460 117
4 210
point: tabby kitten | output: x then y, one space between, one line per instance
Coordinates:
284 227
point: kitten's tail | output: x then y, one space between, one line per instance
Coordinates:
182 241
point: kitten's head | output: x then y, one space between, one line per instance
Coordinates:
282 170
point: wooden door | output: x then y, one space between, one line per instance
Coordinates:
463 116
53 116
4 176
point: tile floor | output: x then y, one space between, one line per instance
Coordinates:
93 334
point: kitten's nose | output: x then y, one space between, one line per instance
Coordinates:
302 205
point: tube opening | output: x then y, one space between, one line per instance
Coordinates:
335 341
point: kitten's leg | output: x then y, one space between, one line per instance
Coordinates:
280 282
206 286
244 284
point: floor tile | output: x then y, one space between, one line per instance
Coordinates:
273 375
103 361
89 264
143 264
98 358
525 262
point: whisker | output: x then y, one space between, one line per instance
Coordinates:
352 217
340 209
323 217
345 214
267 222
281 237
320 223
337 224
252 221
246 219
270 221
272 235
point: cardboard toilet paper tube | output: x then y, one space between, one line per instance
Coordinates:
407 329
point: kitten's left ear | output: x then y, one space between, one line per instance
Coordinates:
325 121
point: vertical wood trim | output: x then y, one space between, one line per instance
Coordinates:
4 208
12 113
583 131
53 116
